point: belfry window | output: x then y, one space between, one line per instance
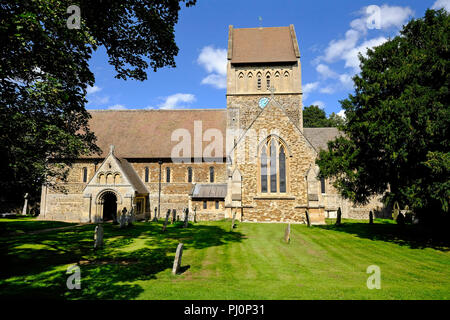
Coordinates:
273 167
268 81
259 82
211 174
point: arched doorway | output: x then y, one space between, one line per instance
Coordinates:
109 200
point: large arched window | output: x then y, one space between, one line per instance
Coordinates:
273 166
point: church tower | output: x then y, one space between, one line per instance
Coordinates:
262 61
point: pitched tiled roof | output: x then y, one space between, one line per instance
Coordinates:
148 133
263 45
209 191
132 176
320 136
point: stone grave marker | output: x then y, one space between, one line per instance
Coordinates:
174 215
25 205
370 217
339 217
166 221
98 237
186 218
195 214
233 221
287 233
308 221
177 260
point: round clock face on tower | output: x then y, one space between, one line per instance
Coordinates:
263 102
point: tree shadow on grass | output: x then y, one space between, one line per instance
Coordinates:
413 236
35 265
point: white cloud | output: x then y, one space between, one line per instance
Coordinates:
93 89
214 60
341 113
351 56
442 4
319 103
347 49
308 88
177 100
328 90
326 72
117 107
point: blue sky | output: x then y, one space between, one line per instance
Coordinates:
330 33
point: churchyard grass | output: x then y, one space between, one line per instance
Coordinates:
253 261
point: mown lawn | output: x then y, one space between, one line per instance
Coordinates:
251 262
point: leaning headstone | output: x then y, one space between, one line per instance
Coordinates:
308 220
98 236
287 233
165 221
25 205
339 217
370 217
186 218
122 221
177 260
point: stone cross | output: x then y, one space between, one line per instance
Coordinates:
25 205
98 236
177 260
272 91
308 221
287 233
186 218
165 221
370 217
339 216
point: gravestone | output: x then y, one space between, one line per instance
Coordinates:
130 218
98 237
401 219
308 221
123 218
25 205
115 219
174 215
195 214
233 221
370 217
155 218
339 217
186 218
287 233
177 260
395 210
166 221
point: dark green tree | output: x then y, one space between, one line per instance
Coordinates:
397 121
315 117
44 74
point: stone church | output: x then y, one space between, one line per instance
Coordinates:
253 159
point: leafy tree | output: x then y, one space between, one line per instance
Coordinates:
315 117
44 74
397 122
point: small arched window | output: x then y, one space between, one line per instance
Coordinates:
167 174
259 81
268 81
146 174
322 185
211 174
189 173
84 174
